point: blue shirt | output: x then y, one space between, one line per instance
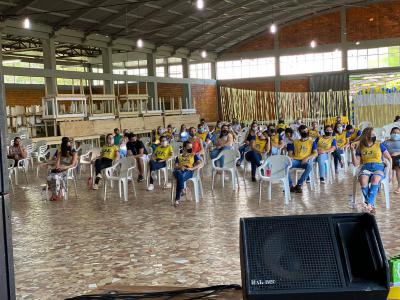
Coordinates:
392 146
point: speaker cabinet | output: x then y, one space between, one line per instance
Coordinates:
328 257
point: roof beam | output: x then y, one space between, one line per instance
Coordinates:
18 8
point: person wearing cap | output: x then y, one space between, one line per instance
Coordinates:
117 137
67 157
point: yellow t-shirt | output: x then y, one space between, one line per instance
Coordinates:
325 143
302 149
283 126
186 161
371 154
341 139
260 144
353 136
203 136
313 133
275 140
164 153
109 152
169 135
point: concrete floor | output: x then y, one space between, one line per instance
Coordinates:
68 248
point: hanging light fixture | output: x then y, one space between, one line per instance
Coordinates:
273 29
27 23
204 54
139 43
200 4
313 44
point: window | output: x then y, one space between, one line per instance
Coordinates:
175 71
374 58
311 63
137 72
71 68
17 63
246 68
23 79
202 71
160 71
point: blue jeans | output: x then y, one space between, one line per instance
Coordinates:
337 157
307 170
275 151
371 191
155 166
255 159
181 178
214 154
321 159
242 150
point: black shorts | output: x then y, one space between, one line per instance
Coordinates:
396 161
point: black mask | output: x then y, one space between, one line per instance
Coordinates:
328 133
192 134
189 150
373 139
224 132
304 134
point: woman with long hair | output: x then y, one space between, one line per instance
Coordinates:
393 146
370 154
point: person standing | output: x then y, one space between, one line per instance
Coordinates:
342 143
393 146
302 152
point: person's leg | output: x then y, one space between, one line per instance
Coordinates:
155 166
364 182
101 164
321 159
242 151
140 165
179 184
97 166
373 190
397 170
152 167
307 170
295 164
255 163
336 159
214 154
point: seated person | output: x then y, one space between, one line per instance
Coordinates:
17 151
109 153
157 135
370 154
281 124
223 142
203 135
314 132
67 157
353 134
169 133
137 149
205 125
288 137
197 143
342 142
393 146
276 141
123 150
159 159
251 135
260 146
236 126
326 144
185 164
183 134
216 131
302 152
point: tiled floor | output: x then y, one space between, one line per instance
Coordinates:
68 248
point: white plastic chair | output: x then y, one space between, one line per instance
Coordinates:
86 159
246 163
384 183
312 176
40 149
47 156
197 185
122 172
29 150
169 166
279 166
230 159
146 140
22 166
11 170
364 125
71 175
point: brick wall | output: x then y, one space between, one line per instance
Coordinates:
295 85
377 21
324 29
24 97
170 90
206 103
257 86
261 41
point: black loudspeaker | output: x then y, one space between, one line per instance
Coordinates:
324 257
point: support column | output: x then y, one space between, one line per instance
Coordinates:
213 70
152 86
185 67
50 63
106 55
7 284
343 37
187 89
277 74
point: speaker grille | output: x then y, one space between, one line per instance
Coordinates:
300 251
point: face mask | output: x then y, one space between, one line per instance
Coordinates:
192 134
340 129
373 139
219 125
201 130
395 136
304 134
164 143
328 133
254 128
224 132
189 150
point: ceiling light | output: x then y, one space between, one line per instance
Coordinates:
358 43
273 28
139 43
204 54
313 44
27 23
200 4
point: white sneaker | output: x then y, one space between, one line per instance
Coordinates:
150 187
95 186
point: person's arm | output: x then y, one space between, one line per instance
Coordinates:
229 140
290 150
333 146
200 141
354 157
197 164
74 161
176 166
387 155
23 151
58 160
141 153
116 155
268 145
314 153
